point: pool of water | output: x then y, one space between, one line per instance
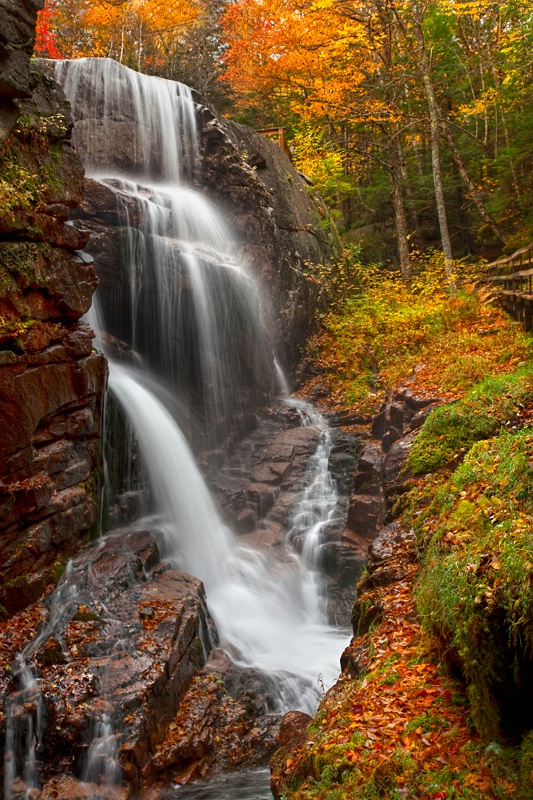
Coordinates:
249 785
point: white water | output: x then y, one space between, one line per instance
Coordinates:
194 313
23 730
268 611
23 713
180 263
157 118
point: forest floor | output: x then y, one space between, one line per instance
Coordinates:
407 726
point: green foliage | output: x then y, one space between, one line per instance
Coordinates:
20 190
382 328
58 569
324 162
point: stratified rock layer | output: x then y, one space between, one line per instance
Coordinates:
51 381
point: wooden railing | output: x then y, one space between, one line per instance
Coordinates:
278 135
512 286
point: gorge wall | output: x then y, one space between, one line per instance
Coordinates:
51 381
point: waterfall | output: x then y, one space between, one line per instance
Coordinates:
189 321
268 612
23 712
185 304
181 269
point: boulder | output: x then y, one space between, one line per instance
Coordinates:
281 231
125 635
17 37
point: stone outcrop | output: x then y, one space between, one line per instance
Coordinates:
276 229
51 381
124 637
17 36
277 226
223 724
260 485
284 229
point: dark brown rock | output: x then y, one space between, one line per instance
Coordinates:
396 474
282 229
356 657
44 282
111 656
222 724
369 473
293 728
365 514
17 37
367 502
51 383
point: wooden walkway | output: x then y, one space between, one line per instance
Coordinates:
511 280
278 136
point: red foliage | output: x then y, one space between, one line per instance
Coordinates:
46 36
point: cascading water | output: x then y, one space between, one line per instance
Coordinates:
182 284
23 712
185 304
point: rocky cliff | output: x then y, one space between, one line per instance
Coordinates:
283 229
277 225
51 383
17 36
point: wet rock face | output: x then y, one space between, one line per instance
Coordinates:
51 381
223 724
125 635
261 484
17 37
279 224
276 224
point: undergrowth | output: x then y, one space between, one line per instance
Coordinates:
451 430
383 330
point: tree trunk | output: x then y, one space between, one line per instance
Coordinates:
472 189
425 71
400 220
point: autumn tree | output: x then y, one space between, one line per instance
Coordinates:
134 32
430 94
415 117
46 37
195 56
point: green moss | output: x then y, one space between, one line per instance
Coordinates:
58 569
12 333
19 264
475 591
451 430
525 780
21 191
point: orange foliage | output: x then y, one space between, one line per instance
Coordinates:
134 32
45 35
402 726
308 52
